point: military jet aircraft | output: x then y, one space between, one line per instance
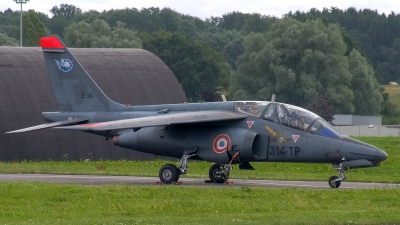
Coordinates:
224 133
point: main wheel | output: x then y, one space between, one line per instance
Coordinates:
332 183
214 174
169 173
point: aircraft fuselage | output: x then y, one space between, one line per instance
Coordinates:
255 138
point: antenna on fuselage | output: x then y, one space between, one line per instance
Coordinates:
273 98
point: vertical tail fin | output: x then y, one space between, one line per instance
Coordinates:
73 87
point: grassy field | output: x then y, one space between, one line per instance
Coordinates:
46 203
388 172
39 203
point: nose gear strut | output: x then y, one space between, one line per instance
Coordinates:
334 181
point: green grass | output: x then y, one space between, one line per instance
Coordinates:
40 203
47 203
389 171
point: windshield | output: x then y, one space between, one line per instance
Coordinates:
323 128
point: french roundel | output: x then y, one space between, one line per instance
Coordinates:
221 143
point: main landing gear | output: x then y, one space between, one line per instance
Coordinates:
218 173
334 181
170 173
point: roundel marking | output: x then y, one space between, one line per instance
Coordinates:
221 143
65 65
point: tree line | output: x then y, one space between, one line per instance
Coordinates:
338 57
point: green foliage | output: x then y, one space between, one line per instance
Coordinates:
147 20
390 67
228 42
197 67
65 10
100 35
391 99
218 38
300 61
154 19
298 75
62 17
232 21
297 62
33 29
391 120
44 18
233 50
258 23
58 25
9 17
8 41
254 22
11 31
375 33
366 89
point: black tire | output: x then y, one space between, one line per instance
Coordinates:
169 173
213 174
333 184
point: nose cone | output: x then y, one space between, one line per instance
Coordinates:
380 155
362 151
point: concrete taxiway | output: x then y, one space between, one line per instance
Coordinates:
134 180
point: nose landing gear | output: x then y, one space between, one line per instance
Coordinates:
334 181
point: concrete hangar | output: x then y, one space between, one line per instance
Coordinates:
133 76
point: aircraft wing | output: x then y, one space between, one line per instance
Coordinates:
162 120
49 125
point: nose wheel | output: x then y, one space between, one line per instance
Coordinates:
334 181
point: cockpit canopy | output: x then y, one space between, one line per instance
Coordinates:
288 115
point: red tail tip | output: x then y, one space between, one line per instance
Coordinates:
51 42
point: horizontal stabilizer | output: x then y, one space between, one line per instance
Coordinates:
162 120
49 125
